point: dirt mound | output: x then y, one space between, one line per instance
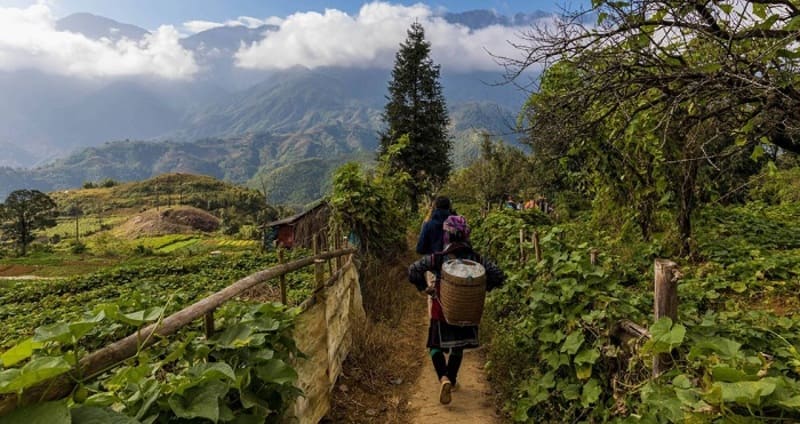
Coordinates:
177 220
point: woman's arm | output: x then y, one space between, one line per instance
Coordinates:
417 270
495 277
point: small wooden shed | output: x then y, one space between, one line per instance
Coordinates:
299 230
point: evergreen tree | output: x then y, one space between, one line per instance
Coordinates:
417 109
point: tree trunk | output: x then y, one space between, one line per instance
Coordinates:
414 200
686 207
645 218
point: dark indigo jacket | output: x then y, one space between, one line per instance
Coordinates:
430 239
433 263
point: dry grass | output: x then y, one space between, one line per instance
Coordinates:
177 220
383 364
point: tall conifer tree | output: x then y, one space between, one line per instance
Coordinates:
417 108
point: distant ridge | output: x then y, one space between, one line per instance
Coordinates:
96 27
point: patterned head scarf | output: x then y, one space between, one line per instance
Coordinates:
455 229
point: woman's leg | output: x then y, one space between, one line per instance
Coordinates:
439 362
454 363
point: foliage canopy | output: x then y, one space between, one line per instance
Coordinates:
23 213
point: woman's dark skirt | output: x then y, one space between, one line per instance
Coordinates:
442 335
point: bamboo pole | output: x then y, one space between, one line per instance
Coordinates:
111 355
282 278
665 304
537 247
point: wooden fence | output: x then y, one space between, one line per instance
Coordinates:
323 333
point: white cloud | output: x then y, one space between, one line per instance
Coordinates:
371 38
194 27
29 39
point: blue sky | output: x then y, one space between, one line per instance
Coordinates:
152 13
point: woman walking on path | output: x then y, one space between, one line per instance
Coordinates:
430 239
444 338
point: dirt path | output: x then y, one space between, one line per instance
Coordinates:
26 278
389 377
472 402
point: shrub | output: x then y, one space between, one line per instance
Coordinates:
108 183
78 248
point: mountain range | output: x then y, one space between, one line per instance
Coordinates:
241 125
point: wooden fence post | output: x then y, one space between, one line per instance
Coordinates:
536 247
337 245
282 278
665 304
319 277
593 256
209 323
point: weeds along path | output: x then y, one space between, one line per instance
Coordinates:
471 401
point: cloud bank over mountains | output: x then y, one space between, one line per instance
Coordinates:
31 39
370 39
196 26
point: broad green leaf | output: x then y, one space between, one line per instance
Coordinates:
730 375
584 371
571 391
80 329
573 342
591 393
143 316
587 356
758 152
67 333
682 382
276 371
234 337
665 336
265 324
793 402
199 402
95 415
101 399
7 377
249 419
39 413
746 392
58 332
214 371
19 353
726 348
36 371
550 336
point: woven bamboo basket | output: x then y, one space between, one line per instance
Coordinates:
462 292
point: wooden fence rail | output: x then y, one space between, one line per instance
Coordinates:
106 358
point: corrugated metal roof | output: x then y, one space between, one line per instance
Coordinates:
294 218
